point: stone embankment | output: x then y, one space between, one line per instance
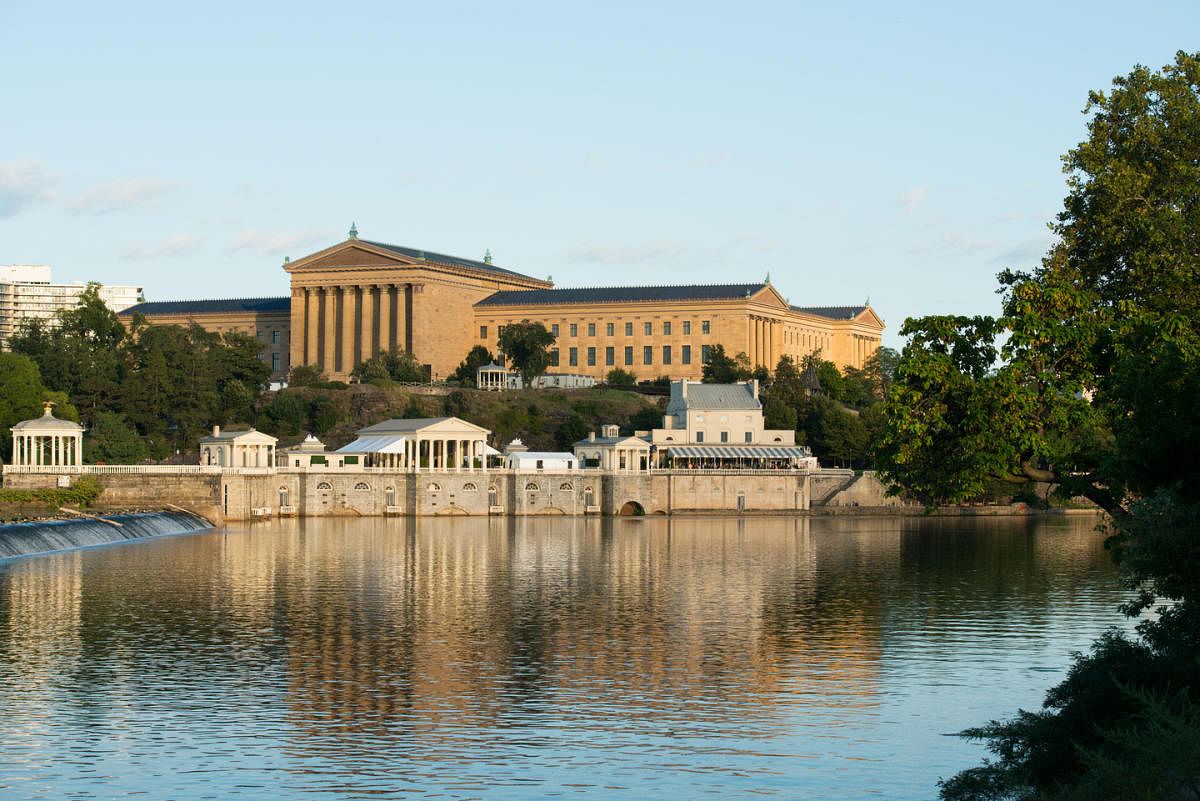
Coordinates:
245 493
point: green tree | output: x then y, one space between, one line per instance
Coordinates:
1111 315
465 373
306 375
21 395
724 369
113 441
620 378
325 413
573 429
527 345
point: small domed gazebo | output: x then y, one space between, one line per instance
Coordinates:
47 442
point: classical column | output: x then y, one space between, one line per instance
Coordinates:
366 323
401 335
329 329
385 317
296 334
312 318
347 306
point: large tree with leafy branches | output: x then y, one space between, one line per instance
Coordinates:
526 344
1090 379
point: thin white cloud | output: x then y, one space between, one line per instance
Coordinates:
172 246
118 195
909 200
280 243
954 243
1028 253
23 182
590 252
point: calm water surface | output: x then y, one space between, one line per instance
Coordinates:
536 658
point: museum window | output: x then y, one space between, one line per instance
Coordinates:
274 362
274 337
554 357
685 354
260 336
574 330
591 329
629 355
628 329
647 354
591 357
609 328
499 331
724 436
687 326
573 357
666 354
483 332
648 328
610 356
705 354
554 329
667 329
704 327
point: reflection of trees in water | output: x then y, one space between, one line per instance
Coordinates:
428 630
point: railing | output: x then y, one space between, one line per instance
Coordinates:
146 469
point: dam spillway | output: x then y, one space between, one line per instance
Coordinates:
25 539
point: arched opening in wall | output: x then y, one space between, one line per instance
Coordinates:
566 487
469 487
323 492
362 486
434 487
588 496
741 502
531 487
389 496
632 508
493 497
284 495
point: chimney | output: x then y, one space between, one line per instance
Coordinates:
683 387
216 431
591 436
754 388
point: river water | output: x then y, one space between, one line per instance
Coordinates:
823 658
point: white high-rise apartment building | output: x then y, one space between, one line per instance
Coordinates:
26 293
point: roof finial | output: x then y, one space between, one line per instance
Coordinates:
287 259
47 407
767 280
868 303
353 230
487 256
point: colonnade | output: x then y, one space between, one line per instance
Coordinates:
47 449
763 341
445 454
337 327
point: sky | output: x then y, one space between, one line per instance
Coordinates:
873 151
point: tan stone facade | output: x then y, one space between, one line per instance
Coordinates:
358 298
671 337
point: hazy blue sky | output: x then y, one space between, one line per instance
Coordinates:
902 153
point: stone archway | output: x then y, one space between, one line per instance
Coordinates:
632 508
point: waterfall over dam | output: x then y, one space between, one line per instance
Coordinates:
23 539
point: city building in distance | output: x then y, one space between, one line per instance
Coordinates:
358 298
26 293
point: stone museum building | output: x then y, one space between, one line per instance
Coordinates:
358 298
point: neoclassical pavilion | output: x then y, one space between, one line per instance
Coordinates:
427 443
238 449
47 441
